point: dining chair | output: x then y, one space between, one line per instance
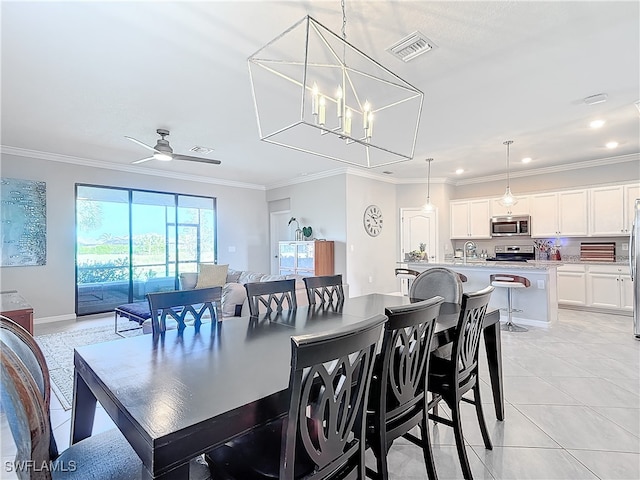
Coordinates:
322 434
184 306
326 289
437 281
451 378
398 400
271 295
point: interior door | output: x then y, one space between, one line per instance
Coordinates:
418 226
279 231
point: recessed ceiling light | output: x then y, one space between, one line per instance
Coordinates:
459 171
526 159
596 123
612 144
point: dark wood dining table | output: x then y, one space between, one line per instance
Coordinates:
176 395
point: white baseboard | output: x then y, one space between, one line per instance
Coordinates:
526 321
55 318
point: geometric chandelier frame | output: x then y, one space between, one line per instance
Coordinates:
316 93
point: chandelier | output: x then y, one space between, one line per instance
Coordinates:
316 93
508 200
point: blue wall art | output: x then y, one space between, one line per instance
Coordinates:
23 222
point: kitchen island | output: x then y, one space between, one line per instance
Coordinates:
539 302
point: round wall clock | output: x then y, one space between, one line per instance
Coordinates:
373 220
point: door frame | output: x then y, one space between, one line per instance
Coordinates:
434 254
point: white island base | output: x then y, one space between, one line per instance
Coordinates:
539 302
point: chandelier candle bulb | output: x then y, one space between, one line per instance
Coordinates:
322 110
369 130
314 99
365 116
347 122
339 102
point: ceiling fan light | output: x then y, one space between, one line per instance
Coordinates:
163 157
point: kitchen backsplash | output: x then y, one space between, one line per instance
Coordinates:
569 247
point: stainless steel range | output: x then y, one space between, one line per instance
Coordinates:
513 253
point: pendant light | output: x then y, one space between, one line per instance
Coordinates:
429 207
508 200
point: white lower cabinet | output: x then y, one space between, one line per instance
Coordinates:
609 286
597 286
572 285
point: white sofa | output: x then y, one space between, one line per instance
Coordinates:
234 295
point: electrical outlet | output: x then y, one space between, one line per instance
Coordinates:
625 246
370 279
232 249
541 284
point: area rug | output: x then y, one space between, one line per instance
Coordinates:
58 351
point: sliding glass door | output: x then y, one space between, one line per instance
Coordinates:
133 242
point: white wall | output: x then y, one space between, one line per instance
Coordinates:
50 289
371 260
320 204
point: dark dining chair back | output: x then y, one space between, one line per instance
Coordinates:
449 379
25 396
437 281
398 401
272 295
184 306
322 436
324 290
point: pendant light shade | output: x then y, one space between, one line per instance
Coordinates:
508 200
429 207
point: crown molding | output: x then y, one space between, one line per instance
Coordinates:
557 168
85 162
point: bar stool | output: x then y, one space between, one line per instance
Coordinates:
509 281
407 274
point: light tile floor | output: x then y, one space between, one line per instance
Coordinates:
572 408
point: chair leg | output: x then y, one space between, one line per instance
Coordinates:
427 452
481 420
462 452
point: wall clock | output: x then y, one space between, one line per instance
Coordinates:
373 220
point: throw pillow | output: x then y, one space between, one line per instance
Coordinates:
233 276
211 275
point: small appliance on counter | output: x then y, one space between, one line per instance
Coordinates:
513 253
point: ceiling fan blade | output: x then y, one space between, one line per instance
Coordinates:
197 159
141 144
143 160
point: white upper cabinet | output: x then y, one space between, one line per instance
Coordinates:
559 213
470 219
611 209
520 208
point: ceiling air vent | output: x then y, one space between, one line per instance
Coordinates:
410 47
201 150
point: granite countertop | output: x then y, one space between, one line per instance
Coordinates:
484 264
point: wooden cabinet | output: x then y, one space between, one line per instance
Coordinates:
520 208
559 213
611 209
572 281
307 258
610 286
13 306
470 219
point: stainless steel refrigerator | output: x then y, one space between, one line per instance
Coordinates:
634 263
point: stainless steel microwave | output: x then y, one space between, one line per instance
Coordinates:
511 226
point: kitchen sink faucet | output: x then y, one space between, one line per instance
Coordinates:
468 243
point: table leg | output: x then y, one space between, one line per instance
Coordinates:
493 348
83 410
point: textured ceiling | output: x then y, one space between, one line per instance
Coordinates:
79 76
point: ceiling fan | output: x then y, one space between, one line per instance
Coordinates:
163 151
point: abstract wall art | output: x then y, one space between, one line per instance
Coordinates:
23 222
